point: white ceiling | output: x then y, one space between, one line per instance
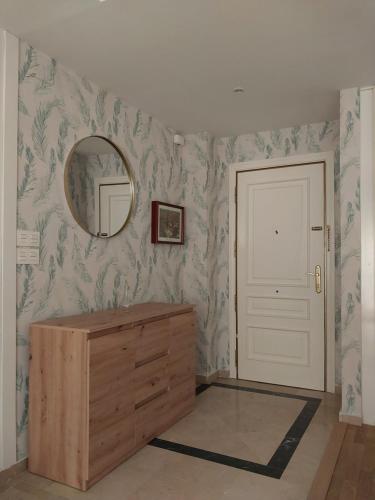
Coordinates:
179 60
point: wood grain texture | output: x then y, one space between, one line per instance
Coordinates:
152 419
97 396
153 341
111 445
354 475
150 379
122 318
327 465
58 416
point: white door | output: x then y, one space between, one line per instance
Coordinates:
281 307
114 203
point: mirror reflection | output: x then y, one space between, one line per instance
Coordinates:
98 186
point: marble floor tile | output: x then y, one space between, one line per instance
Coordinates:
236 423
245 424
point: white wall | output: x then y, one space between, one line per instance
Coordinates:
8 212
367 253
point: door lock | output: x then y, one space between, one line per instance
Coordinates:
318 278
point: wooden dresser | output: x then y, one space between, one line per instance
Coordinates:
104 384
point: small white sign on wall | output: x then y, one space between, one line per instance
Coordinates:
27 255
28 238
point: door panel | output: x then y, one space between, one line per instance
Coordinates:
280 307
280 314
277 252
278 345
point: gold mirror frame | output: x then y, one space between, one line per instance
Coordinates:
67 191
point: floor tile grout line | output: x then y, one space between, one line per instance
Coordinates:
210 456
264 391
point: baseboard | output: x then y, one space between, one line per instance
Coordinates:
210 379
323 476
350 419
207 379
8 474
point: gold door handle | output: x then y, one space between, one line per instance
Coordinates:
318 279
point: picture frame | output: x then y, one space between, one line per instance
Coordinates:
167 223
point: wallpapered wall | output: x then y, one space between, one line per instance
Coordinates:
80 273
202 268
350 265
77 272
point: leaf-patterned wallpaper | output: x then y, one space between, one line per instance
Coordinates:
77 272
350 265
81 273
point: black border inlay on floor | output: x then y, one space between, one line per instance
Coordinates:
280 459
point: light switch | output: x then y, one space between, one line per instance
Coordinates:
27 255
28 238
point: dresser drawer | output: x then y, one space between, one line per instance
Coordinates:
182 366
153 340
183 324
113 408
151 379
111 364
152 419
183 333
181 399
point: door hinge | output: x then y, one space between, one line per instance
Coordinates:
235 249
235 302
236 357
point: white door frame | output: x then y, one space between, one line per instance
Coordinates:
234 168
8 227
367 252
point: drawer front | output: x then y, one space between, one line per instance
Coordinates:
151 419
183 333
153 340
109 410
182 366
111 446
181 400
151 379
110 344
182 323
112 362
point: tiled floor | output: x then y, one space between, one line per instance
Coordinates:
246 425
241 431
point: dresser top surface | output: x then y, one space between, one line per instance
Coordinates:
126 317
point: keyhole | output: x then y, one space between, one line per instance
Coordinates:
277 232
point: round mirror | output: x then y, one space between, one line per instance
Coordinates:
98 186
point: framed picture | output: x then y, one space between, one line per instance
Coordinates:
167 223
